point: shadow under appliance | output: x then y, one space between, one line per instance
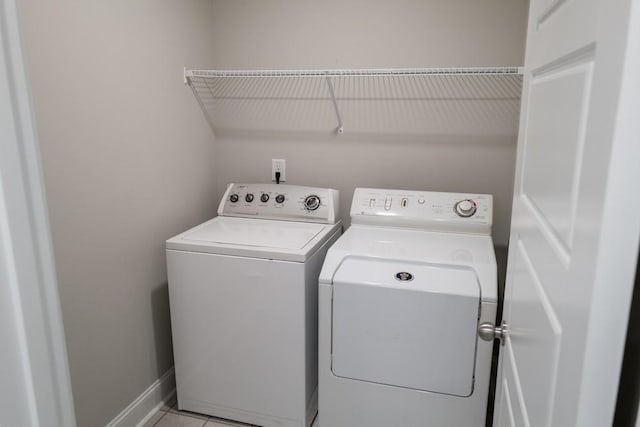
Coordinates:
243 291
402 294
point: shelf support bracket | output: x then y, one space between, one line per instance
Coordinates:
340 128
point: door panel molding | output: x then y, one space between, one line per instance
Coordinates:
536 337
558 111
549 11
519 407
583 54
507 409
547 231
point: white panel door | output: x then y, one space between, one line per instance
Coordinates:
575 227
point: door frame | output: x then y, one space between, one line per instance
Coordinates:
36 386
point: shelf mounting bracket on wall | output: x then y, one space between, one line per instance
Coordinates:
340 128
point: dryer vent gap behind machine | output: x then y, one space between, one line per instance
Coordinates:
243 290
402 294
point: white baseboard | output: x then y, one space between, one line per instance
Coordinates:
148 403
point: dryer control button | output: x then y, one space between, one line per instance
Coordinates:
280 198
264 197
248 198
233 198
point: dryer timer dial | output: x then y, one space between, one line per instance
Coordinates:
465 208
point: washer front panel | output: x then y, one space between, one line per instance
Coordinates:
235 339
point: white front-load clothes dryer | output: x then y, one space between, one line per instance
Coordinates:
243 290
402 293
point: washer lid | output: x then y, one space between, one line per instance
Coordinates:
257 238
265 233
405 324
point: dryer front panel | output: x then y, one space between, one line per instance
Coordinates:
405 324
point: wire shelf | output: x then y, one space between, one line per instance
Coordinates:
423 99
379 72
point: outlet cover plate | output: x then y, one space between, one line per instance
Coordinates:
279 165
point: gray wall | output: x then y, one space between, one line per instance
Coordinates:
293 34
128 162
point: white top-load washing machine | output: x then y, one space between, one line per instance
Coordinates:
243 291
402 294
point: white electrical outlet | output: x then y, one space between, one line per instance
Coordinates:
279 165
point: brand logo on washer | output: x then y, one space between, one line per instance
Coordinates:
403 276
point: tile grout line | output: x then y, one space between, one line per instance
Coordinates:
207 418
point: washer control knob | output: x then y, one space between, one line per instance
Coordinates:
233 198
465 208
280 198
264 197
248 198
312 202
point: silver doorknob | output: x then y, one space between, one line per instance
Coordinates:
488 332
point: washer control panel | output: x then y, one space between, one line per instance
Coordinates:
437 211
280 202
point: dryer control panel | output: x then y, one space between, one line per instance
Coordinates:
436 211
280 202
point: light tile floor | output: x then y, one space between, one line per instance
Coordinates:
170 416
